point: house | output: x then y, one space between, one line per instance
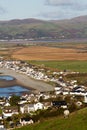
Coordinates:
31 108
78 92
1 122
47 105
65 92
2 101
58 90
22 101
6 104
24 108
9 111
27 108
59 104
85 99
38 106
26 121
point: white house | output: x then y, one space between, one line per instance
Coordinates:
7 113
24 108
25 121
27 108
57 90
85 99
31 108
6 104
38 106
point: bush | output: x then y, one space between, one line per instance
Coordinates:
72 107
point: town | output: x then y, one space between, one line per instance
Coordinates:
17 111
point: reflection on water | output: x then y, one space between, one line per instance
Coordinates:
8 78
17 90
6 91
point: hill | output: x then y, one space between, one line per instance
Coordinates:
76 121
40 29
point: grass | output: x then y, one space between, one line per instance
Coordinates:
80 66
76 121
0 111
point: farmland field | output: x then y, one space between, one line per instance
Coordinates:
61 56
80 66
50 53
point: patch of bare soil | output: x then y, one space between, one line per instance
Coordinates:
49 53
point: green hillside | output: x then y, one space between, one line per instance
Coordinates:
76 121
39 29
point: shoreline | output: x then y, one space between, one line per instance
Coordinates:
26 81
14 82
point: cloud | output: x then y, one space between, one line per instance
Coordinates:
60 14
2 10
64 9
72 4
59 2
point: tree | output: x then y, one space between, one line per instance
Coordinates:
14 100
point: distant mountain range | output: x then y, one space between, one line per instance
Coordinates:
34 29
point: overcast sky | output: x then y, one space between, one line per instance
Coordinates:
42 9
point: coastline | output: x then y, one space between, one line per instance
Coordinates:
14 82
25 81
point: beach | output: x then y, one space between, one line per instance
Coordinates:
25 81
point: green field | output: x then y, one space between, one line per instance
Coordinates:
76 121
80 66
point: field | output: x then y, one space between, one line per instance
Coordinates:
50 53
61 56
80 66
76 121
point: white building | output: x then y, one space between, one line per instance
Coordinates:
85 99
27 108
38 106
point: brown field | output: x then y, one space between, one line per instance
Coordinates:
49 53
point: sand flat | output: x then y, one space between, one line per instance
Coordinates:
26 81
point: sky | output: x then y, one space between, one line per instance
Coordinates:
42 9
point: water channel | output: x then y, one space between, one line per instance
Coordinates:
7 91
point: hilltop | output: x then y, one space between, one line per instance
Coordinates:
39 29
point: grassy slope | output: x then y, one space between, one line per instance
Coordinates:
69 28
76 121
14 29
80 66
